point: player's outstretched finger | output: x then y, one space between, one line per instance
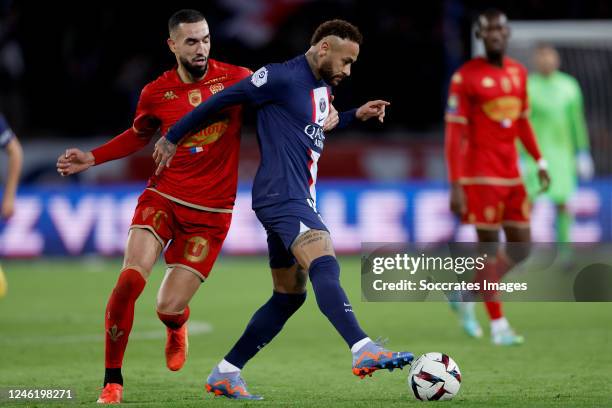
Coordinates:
380 102
160 167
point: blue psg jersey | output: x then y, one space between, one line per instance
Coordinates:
292 106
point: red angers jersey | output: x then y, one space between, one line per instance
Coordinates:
491 102
204 172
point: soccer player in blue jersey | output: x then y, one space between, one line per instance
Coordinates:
9 143
293 101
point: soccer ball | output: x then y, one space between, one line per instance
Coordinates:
434 377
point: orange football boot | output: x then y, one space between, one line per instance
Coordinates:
176 347
111 394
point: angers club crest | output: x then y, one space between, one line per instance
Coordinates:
195 97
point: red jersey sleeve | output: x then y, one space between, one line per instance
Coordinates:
457 117
146 121
144 127
525 131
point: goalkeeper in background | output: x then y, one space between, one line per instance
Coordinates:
557 118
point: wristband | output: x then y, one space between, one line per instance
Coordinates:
542 164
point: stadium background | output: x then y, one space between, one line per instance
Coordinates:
73 79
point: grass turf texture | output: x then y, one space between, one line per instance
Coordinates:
51 326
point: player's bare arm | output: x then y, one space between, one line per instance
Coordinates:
457 199
74 161
163 154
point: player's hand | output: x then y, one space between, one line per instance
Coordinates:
457 200
163 154
544 180
332 118
8 207
372 109
74 161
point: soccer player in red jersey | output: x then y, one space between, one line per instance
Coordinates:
487 110
188 208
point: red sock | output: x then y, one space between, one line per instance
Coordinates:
174 321
494 309
120 315
491 273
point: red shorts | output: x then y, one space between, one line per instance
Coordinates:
491 206
195 236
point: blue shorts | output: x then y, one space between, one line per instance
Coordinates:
283 223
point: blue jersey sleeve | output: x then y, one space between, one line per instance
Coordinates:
346 118
265 85
268 84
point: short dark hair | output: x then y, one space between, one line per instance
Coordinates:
489 14
184 16
339 28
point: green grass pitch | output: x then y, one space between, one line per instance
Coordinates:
51 336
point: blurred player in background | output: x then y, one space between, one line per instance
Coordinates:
187 209
10 144
293 102
557 116
487 109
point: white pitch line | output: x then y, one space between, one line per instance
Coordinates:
195 328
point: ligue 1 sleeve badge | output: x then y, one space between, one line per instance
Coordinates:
260 77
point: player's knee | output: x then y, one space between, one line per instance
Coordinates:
171 304
310 245
137 265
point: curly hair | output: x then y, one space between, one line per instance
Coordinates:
338 28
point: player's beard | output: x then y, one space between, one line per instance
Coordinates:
195 71
327 73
